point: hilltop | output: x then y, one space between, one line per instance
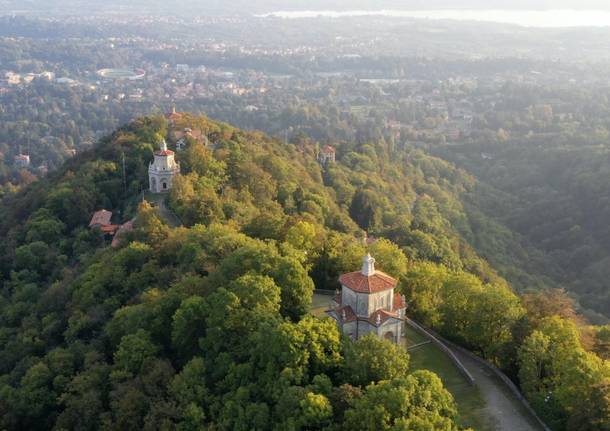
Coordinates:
207 324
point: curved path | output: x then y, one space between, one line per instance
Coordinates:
490 404
506 412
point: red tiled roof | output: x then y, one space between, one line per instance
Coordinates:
328 149
164 153
110 228
358 282
350 316
101 218
384 315
173 116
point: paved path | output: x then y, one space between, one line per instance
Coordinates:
502 410
501 405
158 201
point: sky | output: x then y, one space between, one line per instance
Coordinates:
203 7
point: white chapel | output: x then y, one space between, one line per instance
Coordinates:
367 303
162 170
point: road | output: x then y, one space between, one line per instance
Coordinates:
158 201
506 412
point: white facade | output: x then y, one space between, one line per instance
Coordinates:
162 170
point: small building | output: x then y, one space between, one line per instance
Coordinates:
327 155
22 161
162 170
101 219
43 169
173 116
180 137
368 304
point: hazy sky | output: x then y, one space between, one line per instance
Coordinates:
203 7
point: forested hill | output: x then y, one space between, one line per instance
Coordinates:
206 326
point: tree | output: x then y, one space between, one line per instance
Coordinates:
418 401
370 360
422 287
557 374
366 209
389 257
189 390
550 303
300 409
134 351
602 342
189 326
592 412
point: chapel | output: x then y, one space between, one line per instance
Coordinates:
367 303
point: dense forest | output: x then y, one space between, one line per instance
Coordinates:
207 325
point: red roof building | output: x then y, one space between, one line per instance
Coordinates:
101 219
327 155
358 282
367 303
22 160
173 116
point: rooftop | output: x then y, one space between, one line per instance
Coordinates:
101 218
164 153
368 280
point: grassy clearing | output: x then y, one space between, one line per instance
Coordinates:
471 405
319 304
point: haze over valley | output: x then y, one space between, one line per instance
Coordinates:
287 215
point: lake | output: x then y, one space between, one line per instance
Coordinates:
526 18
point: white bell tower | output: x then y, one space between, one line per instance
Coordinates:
162 170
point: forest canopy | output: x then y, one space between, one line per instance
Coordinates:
206 324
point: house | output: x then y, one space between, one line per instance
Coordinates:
22 161
327 155
101 219
162 170
368 304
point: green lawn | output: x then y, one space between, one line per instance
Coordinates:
429 357
319 304
469 400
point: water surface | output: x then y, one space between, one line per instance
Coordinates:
526 18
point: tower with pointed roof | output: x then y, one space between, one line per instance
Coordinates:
368 304
162 170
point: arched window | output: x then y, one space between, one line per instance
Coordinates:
164 185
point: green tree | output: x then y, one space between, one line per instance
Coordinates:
134 351
418 401
370 360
